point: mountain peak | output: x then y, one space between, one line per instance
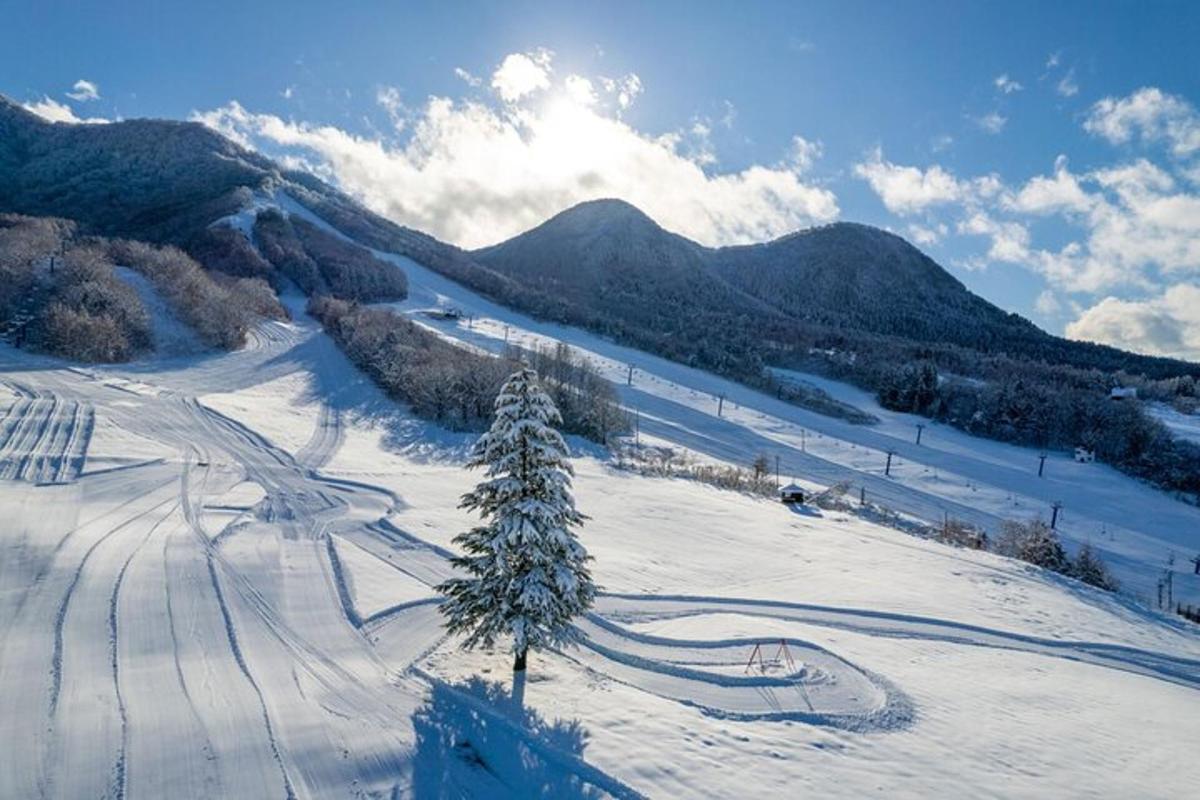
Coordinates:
603 217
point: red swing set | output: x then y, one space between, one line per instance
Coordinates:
782 656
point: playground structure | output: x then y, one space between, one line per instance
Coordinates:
782 656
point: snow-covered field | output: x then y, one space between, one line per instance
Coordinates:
215 581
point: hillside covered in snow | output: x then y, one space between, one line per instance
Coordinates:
218 568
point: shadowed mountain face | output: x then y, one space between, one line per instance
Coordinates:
616 262
613 260
607 253
858 277
149 179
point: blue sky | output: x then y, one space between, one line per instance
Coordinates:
1048 154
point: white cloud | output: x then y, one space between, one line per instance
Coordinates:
288 92
1168 324
1010 240
521 74
1047 304
908 190
467 77
625 89
580 89
1136 226
474 173
1067 86
84 90
1136 223
1006 85
1151 114
992 122
1042 195
927 234
1052 60
54 111
390 100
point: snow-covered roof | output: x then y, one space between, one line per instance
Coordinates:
791 488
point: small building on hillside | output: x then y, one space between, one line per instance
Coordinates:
449 313
1084 455
791 494
1124 393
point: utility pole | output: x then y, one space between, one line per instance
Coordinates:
1055 508
1041 464
637 427
720 404
862 495
629 377
803 445
506 334
920 427
888 469
776 470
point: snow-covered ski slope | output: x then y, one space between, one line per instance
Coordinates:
215 581
1139 529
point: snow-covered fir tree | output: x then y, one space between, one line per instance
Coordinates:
528 574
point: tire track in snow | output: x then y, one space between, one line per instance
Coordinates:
113 646
30 429
60 618
326 438
55 746
241 662
1173 669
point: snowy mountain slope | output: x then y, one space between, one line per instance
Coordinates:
950 473
163 629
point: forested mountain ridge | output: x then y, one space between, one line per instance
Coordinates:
844 276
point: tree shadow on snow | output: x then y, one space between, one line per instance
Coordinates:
474 738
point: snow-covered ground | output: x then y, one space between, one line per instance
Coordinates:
1185 426
1140 531
215 581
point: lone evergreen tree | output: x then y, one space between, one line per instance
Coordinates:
528 571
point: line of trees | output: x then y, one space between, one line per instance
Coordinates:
455 386
586 400
1036 543
221 316
59 293
322 263
1066 410
90 313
